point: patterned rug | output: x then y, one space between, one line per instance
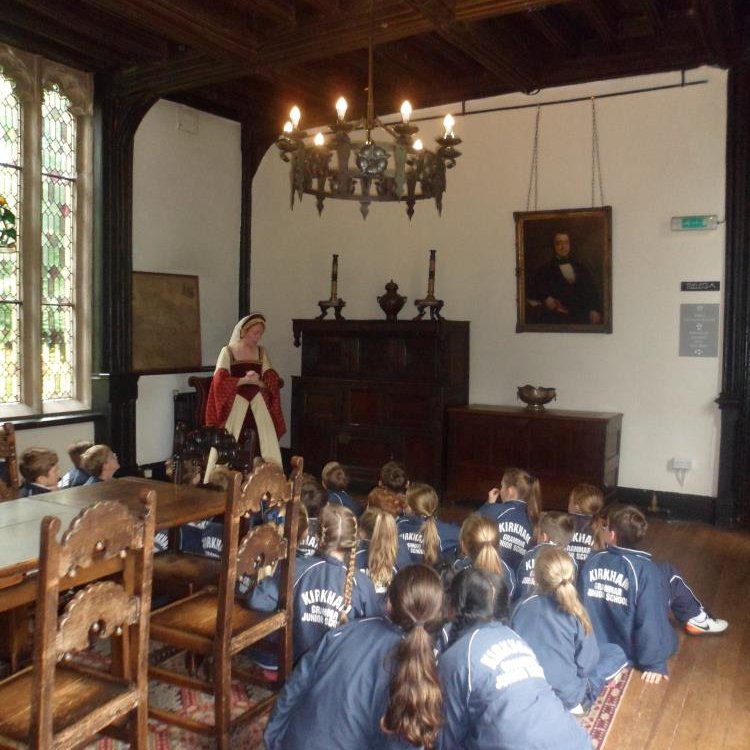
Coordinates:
196 705
599 719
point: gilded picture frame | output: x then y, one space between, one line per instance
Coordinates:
564 270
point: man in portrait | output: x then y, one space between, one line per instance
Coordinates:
563 291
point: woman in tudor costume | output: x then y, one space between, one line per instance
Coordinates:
244 393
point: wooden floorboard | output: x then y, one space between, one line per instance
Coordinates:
706 702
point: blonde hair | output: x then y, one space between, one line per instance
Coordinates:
528 489
379 527
555 575
337 532
93 459
423 501
479 539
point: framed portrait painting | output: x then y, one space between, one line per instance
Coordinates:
564 270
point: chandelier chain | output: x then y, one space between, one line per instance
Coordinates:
596 163
534 173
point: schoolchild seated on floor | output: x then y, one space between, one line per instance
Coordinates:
335 481
40 469
328 589
517 513
554 622
478 543
314 498
586 505
390 494
372 683
378 549
494 691
629 596
76 476
427 538
555 529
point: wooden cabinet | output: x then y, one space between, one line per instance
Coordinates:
371 391
562 448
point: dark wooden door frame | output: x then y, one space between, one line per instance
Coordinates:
733 501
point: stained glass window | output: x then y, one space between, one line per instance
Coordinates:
58 245
10 257
46 187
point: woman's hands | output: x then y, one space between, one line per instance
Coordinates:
251 378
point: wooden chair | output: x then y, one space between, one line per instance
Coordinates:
9 480
215 624
61 701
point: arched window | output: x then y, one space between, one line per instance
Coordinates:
45 177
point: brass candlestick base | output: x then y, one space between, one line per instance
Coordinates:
435 305
333 304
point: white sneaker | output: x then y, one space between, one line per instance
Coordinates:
702 624
577 710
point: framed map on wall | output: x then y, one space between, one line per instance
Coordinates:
166 323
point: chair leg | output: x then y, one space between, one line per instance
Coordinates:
222 702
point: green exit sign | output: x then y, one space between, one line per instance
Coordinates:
686 223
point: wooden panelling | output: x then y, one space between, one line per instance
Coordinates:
392 381
562 448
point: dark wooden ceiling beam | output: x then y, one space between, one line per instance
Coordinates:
179 73
714 21
499 59
551 31
653 15
599 19
393 20
194 23
278 11
94 42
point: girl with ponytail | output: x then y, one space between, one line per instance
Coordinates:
586 505
427 539
494 691
478 544
556 625
328 589
379 554
517 513
372 683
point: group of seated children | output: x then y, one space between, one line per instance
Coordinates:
40 467
370 614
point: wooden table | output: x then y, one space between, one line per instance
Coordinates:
20 522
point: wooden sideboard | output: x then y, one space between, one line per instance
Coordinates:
371 391
562 448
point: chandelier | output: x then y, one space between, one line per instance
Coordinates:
401 170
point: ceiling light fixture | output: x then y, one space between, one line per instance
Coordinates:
402 170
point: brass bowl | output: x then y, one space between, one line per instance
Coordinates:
536 396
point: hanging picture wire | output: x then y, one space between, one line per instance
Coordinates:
596 162
534 172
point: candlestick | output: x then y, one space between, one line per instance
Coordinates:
434 305
334 303
431 275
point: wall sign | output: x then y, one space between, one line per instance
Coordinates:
700 286
699 330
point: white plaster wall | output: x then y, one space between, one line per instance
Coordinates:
186 219
662 154
56 438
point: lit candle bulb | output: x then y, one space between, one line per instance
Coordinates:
341 106
288 127
406 111
417 145
448 123
319 140
295 115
